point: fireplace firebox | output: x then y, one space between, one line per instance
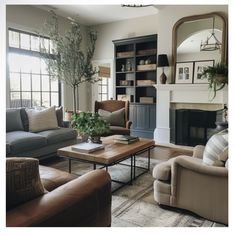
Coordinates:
191 127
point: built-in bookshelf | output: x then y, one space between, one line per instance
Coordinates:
135 74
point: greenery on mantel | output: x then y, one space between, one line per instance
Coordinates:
68 62
217 76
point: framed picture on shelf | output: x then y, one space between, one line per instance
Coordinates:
124 97
184 73
199 67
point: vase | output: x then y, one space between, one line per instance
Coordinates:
95 139
221 79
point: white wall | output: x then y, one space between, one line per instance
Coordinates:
161 24
31 19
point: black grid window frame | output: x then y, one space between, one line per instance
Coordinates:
102 83
39 55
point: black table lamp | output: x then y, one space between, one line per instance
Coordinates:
162 62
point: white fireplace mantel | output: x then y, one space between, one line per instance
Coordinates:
196 95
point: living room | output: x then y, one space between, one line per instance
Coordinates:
130 44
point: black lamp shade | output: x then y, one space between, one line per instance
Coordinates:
162 60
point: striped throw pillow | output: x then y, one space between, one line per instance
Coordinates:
216 150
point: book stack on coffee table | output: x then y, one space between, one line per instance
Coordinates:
125 139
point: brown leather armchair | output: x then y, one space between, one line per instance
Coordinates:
112 106
70 201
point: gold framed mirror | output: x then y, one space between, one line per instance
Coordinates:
192 36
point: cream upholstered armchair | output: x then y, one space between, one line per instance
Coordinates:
116 113
185 182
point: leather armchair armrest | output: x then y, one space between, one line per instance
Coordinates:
84 201
128 124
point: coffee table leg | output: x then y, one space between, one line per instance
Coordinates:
149 159
69 165
131 169
134 165
94 166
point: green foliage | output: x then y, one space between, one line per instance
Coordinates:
90 123
68 61
217 76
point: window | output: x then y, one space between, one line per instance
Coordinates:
103 89
30 83
104 74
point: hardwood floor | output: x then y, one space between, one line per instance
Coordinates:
165 153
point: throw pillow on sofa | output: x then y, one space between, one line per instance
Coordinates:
216 150
40 120
13 120
23 182
115 118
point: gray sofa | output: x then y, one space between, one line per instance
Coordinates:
21 142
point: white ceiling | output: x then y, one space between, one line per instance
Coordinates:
100 14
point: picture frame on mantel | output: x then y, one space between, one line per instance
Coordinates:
199 67
184 73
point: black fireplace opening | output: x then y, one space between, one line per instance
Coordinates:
191 127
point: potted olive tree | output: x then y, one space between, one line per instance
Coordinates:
217 77
69 61
90 124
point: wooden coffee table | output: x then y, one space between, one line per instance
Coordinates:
113 154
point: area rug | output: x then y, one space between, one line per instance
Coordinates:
134 205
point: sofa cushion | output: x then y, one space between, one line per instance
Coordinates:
115 118
21 141
22 181
216 150
59 135
13 120
59 114
52 178
40 120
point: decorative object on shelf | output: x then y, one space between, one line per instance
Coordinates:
162 62
129 66
146 67
217 76
148 61
146 100
145 82
211 43
199 67
66 51
125 54
91 124
123 68
141 62
124 97
184 73
147 52
125 82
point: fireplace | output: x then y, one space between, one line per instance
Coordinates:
191 127
194 101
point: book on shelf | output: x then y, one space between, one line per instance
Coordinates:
125 139
87 147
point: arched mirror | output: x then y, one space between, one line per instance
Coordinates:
199 38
